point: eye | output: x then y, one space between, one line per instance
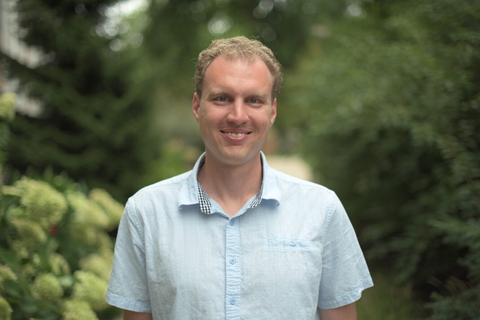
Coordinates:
254 101
220 99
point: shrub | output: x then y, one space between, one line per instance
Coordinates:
391 115
56 254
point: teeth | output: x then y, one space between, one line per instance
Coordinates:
236 134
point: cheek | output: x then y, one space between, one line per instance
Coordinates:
208 123
213 117
267 119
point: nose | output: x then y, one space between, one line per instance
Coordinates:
237 112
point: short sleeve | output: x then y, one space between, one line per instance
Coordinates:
128 286
344 270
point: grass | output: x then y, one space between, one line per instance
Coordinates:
387 301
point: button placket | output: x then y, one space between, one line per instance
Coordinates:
232 266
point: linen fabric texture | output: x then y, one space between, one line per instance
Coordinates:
293 253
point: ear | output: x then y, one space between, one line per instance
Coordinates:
274 112
196 106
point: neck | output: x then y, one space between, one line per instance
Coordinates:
231 186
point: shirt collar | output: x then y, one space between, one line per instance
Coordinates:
192 192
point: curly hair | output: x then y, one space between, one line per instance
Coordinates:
238 48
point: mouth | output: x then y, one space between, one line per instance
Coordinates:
236 134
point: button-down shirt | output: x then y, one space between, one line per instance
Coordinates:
279 259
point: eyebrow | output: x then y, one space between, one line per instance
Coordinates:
224 93
218 93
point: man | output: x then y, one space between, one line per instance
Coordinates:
233 238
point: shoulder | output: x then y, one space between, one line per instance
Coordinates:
301 195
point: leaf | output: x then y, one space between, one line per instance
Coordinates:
8 257
30 305
12 288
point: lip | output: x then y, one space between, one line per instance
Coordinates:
233 130
235 135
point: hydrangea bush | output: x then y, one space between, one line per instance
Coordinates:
55 250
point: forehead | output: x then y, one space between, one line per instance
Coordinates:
225 70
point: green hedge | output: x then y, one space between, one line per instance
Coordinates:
390 104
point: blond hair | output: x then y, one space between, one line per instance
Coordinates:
238 48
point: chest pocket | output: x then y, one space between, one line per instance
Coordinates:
284 268
289 244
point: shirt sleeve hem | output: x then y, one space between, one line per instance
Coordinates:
348 297
127 304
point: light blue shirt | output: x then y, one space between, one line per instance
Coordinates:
294 252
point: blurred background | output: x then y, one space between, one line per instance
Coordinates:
381 103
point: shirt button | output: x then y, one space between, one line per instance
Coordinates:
232 222
232 261
232 301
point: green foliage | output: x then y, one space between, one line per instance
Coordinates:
387 300
95 121
7 111
283 27
458 298
5 309
177 158
46 287
78 310
461 306
7 114
56 254
391 102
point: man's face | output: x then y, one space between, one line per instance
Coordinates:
236 109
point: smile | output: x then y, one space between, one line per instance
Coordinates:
236 134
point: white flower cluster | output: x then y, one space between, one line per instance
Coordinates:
38 214
40 207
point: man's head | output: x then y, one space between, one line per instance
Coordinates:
238 48
235 105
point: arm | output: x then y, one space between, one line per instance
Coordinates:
130 315
348 312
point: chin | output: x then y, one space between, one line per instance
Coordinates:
239 159
233 156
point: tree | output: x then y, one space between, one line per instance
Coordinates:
95 120
391 106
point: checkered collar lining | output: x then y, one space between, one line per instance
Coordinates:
204 199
